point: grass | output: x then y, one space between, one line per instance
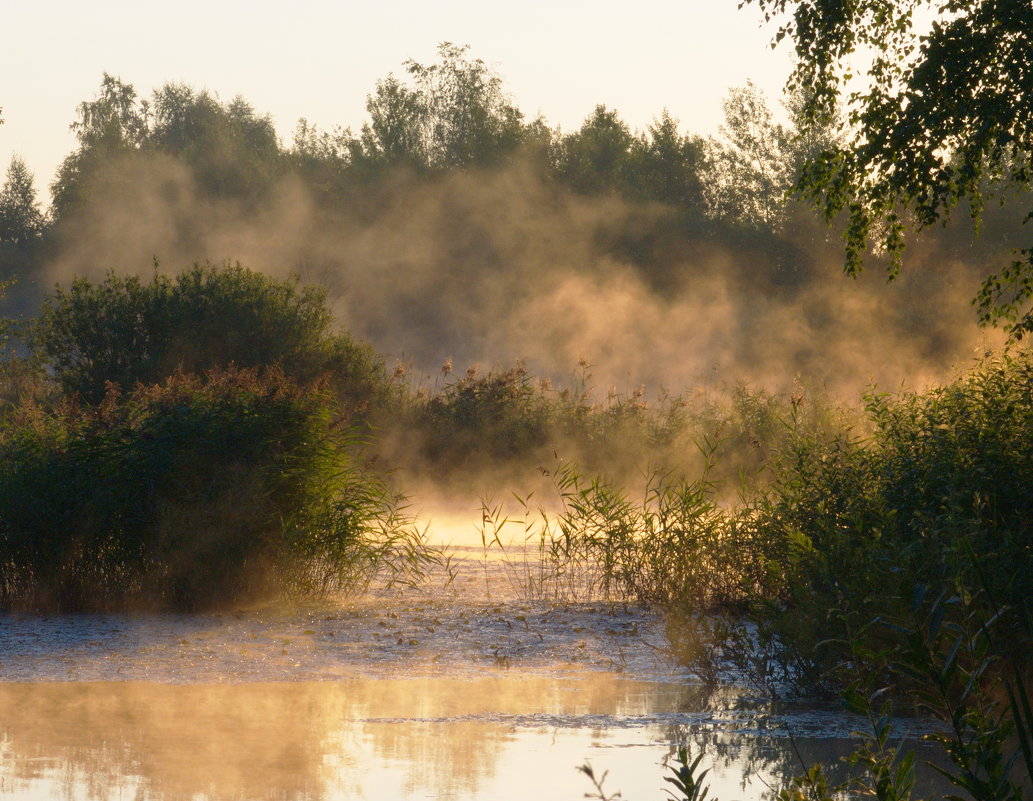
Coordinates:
889 563
792 540
201 491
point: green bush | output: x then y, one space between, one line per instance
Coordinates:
854 516
196 492
501 414
127 331
935 500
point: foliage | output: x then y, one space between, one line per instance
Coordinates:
940 655
127 331
195 492
604 156
113 119
940 117
847 519
754 161
674 546
230 151
893 567
21 221
454 115
111 125
506 420
667 166
686 778
501 413
5 324
594 159
451 114
850 525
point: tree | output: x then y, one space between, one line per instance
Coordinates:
21 221
753 161
941 116
231 150
113 124
395 134
666 166
595 158
323 158
455 114
471 119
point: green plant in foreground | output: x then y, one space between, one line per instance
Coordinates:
935 497
201 491
686 778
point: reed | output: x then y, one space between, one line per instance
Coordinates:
205 490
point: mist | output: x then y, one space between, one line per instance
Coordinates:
635 272
491 267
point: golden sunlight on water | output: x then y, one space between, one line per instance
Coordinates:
500 737
477 693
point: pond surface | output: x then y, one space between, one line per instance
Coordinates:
470 694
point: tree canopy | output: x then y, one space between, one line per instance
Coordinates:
939 99
455 113
21 220
230 150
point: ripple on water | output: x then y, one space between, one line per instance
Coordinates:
405 694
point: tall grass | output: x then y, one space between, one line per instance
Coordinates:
671 545
196 492
191 441
894 566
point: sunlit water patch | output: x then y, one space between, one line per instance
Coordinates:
469 693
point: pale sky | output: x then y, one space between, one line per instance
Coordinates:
319 59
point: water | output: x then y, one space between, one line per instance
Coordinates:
470 694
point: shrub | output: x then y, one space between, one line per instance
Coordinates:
129 332
196 492
934 502
502 414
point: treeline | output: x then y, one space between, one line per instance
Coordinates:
447 116
453 211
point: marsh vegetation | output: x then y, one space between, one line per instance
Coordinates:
204 437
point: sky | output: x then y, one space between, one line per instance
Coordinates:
319 59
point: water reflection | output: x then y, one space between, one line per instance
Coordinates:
384 698
499 737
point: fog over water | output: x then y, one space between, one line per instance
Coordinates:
459 695
426 694
471 686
